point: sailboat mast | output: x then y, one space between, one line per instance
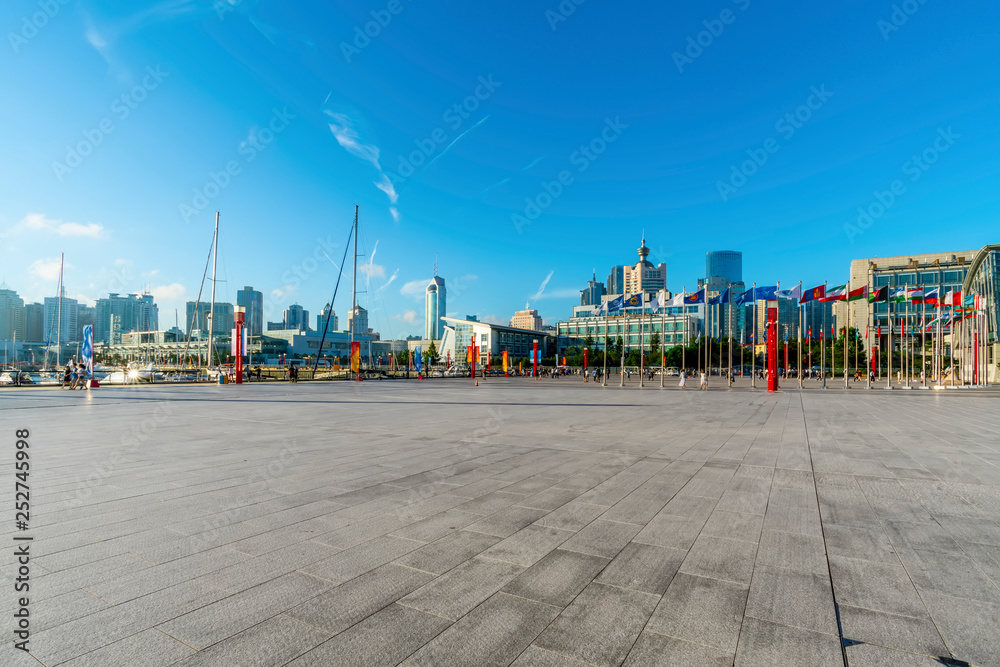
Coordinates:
59 312
354 284
211 312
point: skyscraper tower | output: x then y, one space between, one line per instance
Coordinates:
434 306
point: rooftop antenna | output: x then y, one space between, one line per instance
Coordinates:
435 265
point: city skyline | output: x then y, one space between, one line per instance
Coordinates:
136 123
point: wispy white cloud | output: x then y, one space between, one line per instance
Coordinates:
562 293
541 288
493 319
495 185
392 279
38 222
347 135
408 316
453 142
46 269
532 164
171 292
415 288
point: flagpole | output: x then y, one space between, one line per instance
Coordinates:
729 328
800 342
753 341
621 372
663 335
684 337
923 340
868 339
847 330
604 373
822 345
889 356
642 341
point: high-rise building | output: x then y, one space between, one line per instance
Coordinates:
321 320
724 264
198 319
357 321
592 295
60 320
119 314
616 280
295 318
34 318
526 319
253 301
643 276
724 270
12 315
435 300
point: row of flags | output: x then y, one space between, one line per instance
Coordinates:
821 293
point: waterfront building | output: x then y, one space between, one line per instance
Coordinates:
357 321
595 290
253 301
34 318
117 315
12 315
527 319
198 319
643 276
62 317
492 340
676 325
616 280
982 285
724 267
945 271
435 307
321 319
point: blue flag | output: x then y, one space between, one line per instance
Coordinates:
616 303
745 298
634 301
766 293
695 297
416 358
722 298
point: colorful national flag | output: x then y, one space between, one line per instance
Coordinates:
859 293
898 295
813 294
677 300
634 301
881 295
838 293
916 294
932 296
695 297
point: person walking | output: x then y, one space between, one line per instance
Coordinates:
703 386
683 378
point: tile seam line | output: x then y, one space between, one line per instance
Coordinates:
826 550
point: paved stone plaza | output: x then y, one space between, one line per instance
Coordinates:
549 523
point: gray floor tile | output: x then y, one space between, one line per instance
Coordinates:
384 639
273 642
764 644
643 567
557 578
653 650
454 594
878 586
717 558
789 597
527 546
600 626
494 633
602 538
343 606
447 552
701 610
904 633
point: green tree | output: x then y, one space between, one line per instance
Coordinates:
432 354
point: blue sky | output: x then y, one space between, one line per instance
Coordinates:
521 143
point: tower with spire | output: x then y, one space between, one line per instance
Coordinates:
435 306
593 295
644 276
